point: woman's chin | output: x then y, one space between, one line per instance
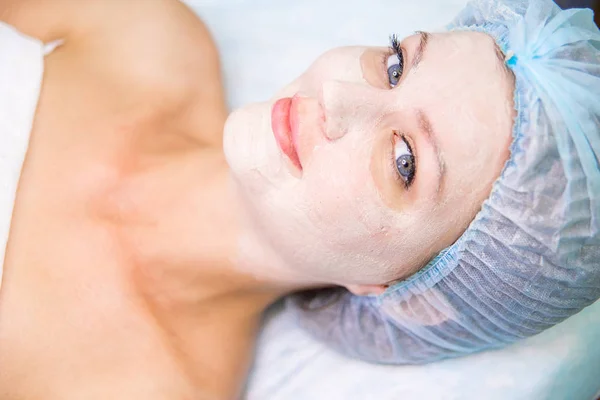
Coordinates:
250 147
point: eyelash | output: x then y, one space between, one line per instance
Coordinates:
396 48
408 183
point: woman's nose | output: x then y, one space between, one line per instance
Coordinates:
349 105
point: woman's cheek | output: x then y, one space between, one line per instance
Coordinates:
340 64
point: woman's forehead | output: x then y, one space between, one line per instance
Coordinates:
460 83
454 63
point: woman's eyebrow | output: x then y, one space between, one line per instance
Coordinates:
423 119
418 56
431 136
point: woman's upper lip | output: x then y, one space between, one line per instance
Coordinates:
284 122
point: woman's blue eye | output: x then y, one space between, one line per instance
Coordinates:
394 71
405 161
395 62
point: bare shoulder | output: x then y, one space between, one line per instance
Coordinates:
137 51
173 62
160 45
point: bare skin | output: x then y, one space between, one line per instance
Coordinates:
106 294
137 269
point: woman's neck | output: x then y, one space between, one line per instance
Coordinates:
199 230
206 295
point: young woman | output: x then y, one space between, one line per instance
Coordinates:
144 245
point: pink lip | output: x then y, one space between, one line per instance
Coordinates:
284 124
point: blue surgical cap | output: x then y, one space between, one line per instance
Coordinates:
531 257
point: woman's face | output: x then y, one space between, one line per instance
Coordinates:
370 163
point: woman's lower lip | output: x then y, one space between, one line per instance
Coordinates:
280 123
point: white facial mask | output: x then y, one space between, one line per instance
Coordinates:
345 218
331 221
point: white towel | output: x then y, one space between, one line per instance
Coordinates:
21 70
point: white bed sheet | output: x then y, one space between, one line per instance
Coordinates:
264 44
562 363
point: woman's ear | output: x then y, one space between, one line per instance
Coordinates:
365 290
